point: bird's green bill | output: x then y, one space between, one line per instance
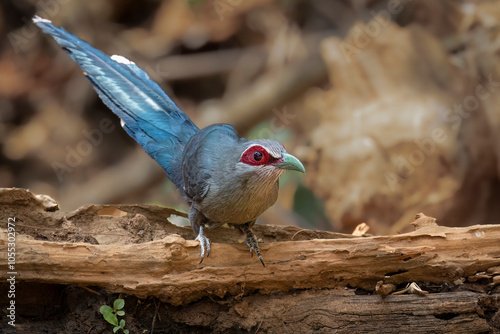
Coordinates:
291 163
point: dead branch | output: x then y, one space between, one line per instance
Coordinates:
168 267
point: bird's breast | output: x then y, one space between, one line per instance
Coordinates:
239 202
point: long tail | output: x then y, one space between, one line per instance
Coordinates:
147 113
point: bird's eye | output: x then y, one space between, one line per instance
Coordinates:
255 155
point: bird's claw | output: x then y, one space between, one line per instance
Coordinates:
204 244
251 241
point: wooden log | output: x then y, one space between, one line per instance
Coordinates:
309 311
345 312
169 268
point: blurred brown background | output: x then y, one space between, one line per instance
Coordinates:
391 105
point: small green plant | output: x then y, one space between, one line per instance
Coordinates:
111 315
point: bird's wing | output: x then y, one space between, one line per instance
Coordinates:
147 113
205 152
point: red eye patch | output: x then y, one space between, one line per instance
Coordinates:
255 155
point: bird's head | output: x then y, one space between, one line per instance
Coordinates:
268 158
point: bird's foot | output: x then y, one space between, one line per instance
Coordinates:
204 243
251 241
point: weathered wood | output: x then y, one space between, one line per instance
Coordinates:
169 268
310 311
345 312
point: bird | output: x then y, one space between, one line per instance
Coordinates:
226 179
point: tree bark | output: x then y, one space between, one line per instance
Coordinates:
108 246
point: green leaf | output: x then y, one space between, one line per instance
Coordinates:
116 328
118 304
122 323
120 313
125 331
111 318
105 309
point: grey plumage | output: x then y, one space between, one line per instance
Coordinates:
221 187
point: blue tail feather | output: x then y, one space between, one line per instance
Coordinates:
148 114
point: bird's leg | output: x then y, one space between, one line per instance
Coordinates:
198 221
251 241
204 243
